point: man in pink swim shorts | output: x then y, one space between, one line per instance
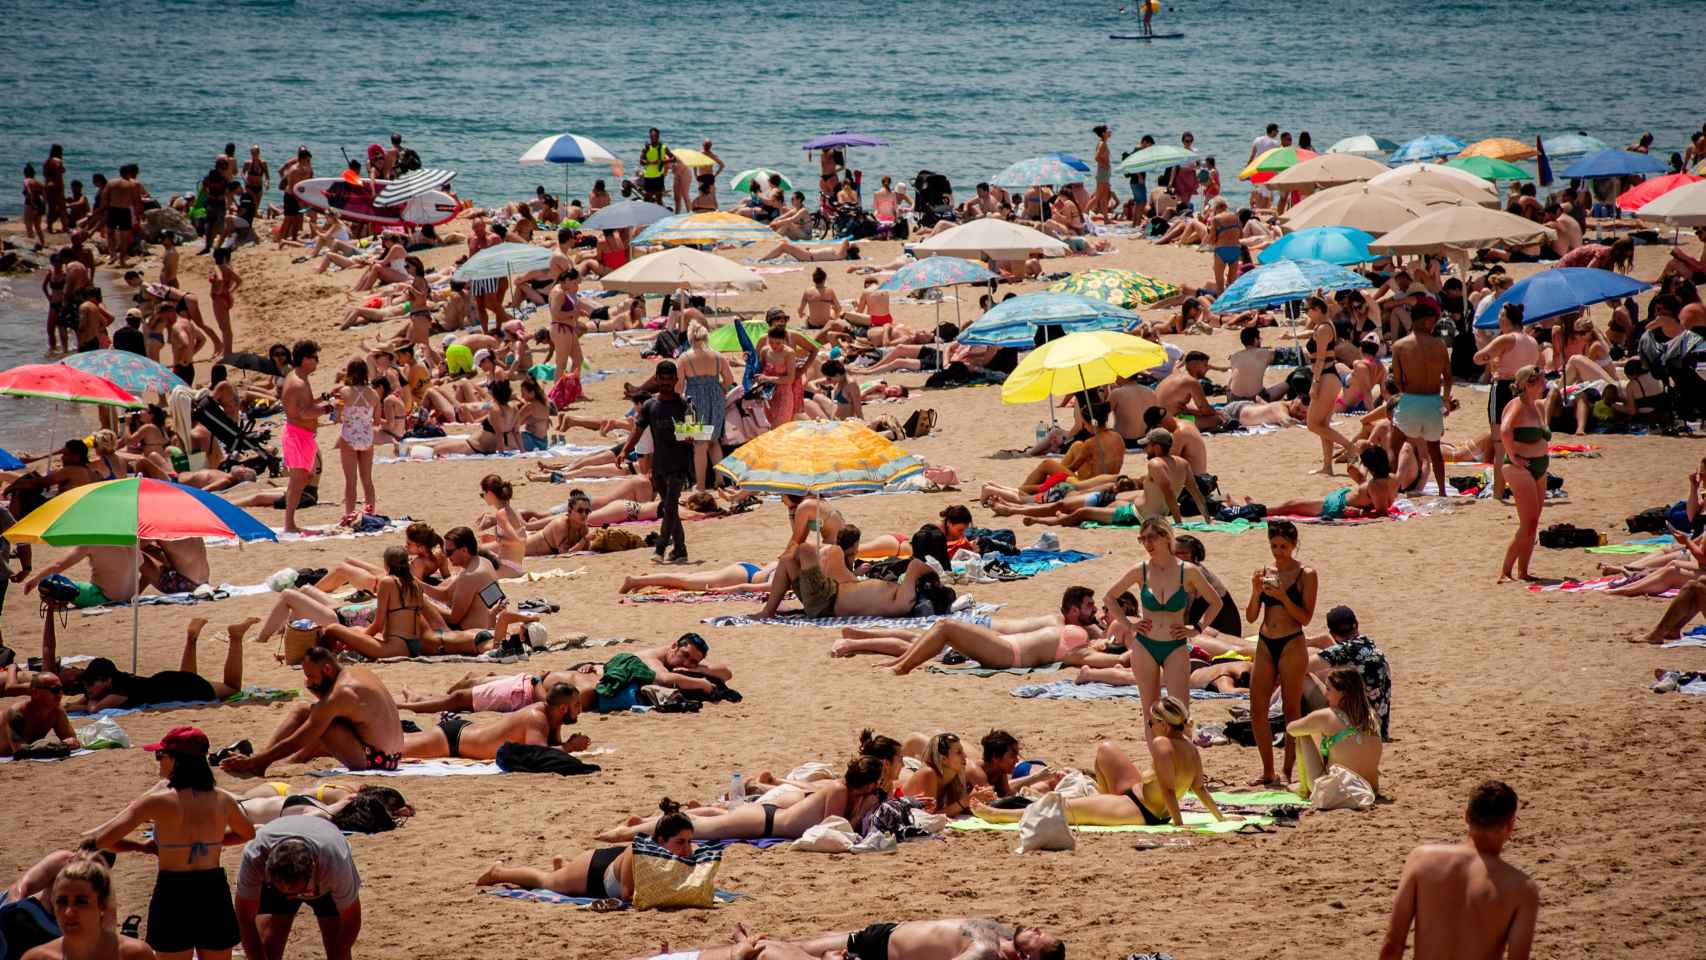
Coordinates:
302 419
503 695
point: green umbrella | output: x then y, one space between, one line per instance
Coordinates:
1122 288
724 340
1157 158
1490 168
743 180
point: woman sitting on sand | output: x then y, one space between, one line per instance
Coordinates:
509 532
850 797
426 560
940 784
603 874
1125 794
367 810
1345 734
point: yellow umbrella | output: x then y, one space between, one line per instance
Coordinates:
692 158
1501 148
818 456
1078 362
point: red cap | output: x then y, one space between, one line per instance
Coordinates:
186 740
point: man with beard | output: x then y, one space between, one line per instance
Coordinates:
353 719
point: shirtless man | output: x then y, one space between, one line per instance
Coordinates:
302 420
1182 393
1421 367
538 724
461 593
938 940
92 321
1249 366
1062 639
292 173
22 724
186 341
112 575
1464 900
181 300
352 719
124 210
1130 400
821 596
1188 441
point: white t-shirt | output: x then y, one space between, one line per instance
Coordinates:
1263 144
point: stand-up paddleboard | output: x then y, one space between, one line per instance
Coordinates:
336 195
1144 36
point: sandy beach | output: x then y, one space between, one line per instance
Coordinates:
1538 689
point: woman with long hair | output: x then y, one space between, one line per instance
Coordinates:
82 897
1511 350
509 531
1158 640
940 784
357 404
1345 733
1282 602
705 380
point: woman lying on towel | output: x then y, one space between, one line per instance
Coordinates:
367 810
735 578
1125 794
809 778
1371 497
850 797
605 873
1344 735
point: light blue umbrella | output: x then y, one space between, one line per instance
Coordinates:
1341 245
1614 163
1571 145
1049 171
1364 145
1159 157
1558 291
936 272
503 260
1284 282
1433 146
624 214
1014 323
132 371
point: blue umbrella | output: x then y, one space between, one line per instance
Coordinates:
1573 145
10 462
844 138
1560 290
1614 163
1075 163
1341 245
627 213
1433 146
503 260
936 272
1284 282
1051 171
1014 323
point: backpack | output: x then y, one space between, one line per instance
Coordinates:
408 161
1563 536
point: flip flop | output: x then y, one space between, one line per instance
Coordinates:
1251 827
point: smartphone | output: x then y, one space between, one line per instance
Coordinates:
492 595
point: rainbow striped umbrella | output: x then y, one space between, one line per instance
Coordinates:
711 227
56 381
1274 162
122 513
819 456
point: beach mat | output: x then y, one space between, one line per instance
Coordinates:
560 450
1692 638
1591 585
559 899
979 613
981 671
247 695
73 754
1029 563
1195 822
420 768
1067 690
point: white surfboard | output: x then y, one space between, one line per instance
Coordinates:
338 196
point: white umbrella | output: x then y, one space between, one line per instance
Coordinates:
1364 145
1682 207
995 239
681 268
1475 191
1328 169
1405 171
1456 229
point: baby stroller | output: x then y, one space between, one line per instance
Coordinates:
935 198
242 442
848 221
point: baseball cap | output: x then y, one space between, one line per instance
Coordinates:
186 740
1159 436
481 356
1341 619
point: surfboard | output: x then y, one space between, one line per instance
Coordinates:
336 195
1144 36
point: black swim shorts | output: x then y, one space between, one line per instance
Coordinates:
191 909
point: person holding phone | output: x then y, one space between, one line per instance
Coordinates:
472 594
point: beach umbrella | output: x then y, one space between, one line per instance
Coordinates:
992 238
1558 291
843 138
1432 146
1275 161
708 228
411 185
122 513
1158 157
1573 145
938 271
680 268
1500 148
823 457
1354 205
1428 173
1682 207
1328 170
503 260
1614 163
10 462
133 372
567 148
1647 191
1122 288
1489 168
1340 245
724 339
1037 172
1438 177
1078 362
625 214
692 158
1455 229
743 180
1014 323
57 381
1364 145
1285 281
1076 163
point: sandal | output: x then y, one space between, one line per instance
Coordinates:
1251 827
348 520
607 905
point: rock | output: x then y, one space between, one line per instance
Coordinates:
164 219
22 260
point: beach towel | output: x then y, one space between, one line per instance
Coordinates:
1591 585
982 671
317 534
71 755
564 450
1029 563
202 594
979 613
1195 822
1067 690
494 655
1693 638
420 768
1639 545
246 695
695 596
553 897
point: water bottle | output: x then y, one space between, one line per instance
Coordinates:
1042 431
737 789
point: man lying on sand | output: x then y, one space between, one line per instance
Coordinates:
538 724
909 940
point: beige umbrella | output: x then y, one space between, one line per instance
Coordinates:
1403 171
1353 205
681 268
1456 229
1467 186
995 239
1682 207
1328 169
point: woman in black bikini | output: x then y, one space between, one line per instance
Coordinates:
1282 600
850 797
604 873
397 629
497 431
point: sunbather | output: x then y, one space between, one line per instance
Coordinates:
801 569
850 797
1063 642
539 724
1345 734
604 873
1372 496
105 686
371 809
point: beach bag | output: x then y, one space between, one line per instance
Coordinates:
1076 783
565 391
1043 827
834 835
1341 789
612 540
299 635
1564 536
662 879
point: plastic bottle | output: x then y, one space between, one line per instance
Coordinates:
1042 431
737 789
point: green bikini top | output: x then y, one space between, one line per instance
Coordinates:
1178 601
1530 434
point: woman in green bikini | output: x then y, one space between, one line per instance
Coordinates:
1523 431
1344 734
1282 600
1166 588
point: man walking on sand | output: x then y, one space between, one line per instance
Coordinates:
1464 901
302 419
1421 366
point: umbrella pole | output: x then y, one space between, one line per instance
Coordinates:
135 610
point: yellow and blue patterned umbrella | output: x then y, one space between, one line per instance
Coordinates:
1122 288
818 456
711 227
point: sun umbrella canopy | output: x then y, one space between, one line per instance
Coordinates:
1353 205
1078 362
1014 323
133 372
625 214
724 339
1364 145
1428 173
680 268
56 381
1439 178
711 227
1076 163
118 512
1500 148
10 462
996 239
1340 245
1614 163
1489 168
1158 157
1573 145
567 148
1328 170
1433 146
937 271
692 158
503 260
1682 207
1284 282
1122 288
1272 162
1451 229
1644 192
1037 172
1560 290
818 456
844 138
743 180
